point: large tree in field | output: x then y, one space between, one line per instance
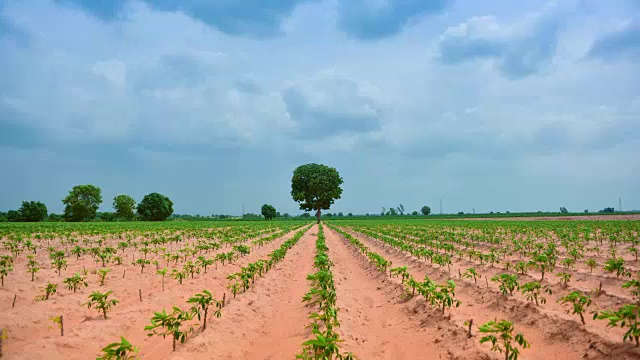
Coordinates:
315 187
82 203
155 207
268 211
425 210
32 211
124 205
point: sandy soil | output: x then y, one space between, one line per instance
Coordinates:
375 322
268 321
32 335
553 334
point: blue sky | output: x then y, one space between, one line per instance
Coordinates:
492 105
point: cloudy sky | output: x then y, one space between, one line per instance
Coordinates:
493 105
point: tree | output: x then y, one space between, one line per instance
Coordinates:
425 210
13 216
32 211
563 210
155 207
401 209
124 205
392 212
82 203
315 187
268 211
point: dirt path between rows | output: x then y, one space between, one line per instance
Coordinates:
550 338
266 322
373 325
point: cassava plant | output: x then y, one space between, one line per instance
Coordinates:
101 302
122 350
32 266
49 290
163 324
508 283
471 273
579 303
533 290
627 317
500 334
75 282
201 302
102 274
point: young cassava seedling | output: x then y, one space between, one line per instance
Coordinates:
101 302
122 350
579 303
627 317
49 290
202 302
75 282
500 334
163 324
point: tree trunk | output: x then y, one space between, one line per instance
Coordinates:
318 215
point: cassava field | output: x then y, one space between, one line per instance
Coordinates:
392 289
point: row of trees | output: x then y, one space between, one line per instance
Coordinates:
83 201
425 210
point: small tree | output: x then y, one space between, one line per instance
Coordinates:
75 282
155 207
504 339
122 350
579 301
101 302
164 325
202 302
268 211
563 210
425 210
32 211
315 187
82 203
124 205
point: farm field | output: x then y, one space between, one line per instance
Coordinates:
366 289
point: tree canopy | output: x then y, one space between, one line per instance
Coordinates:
82 203
32 211
315 187
268 211
124 205
155 207
425 210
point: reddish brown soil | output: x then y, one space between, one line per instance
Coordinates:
32 335
266 322
554 335
375 321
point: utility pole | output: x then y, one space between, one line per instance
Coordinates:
242 210
441 206
619 205
474 210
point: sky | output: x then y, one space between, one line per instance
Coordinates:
488 105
